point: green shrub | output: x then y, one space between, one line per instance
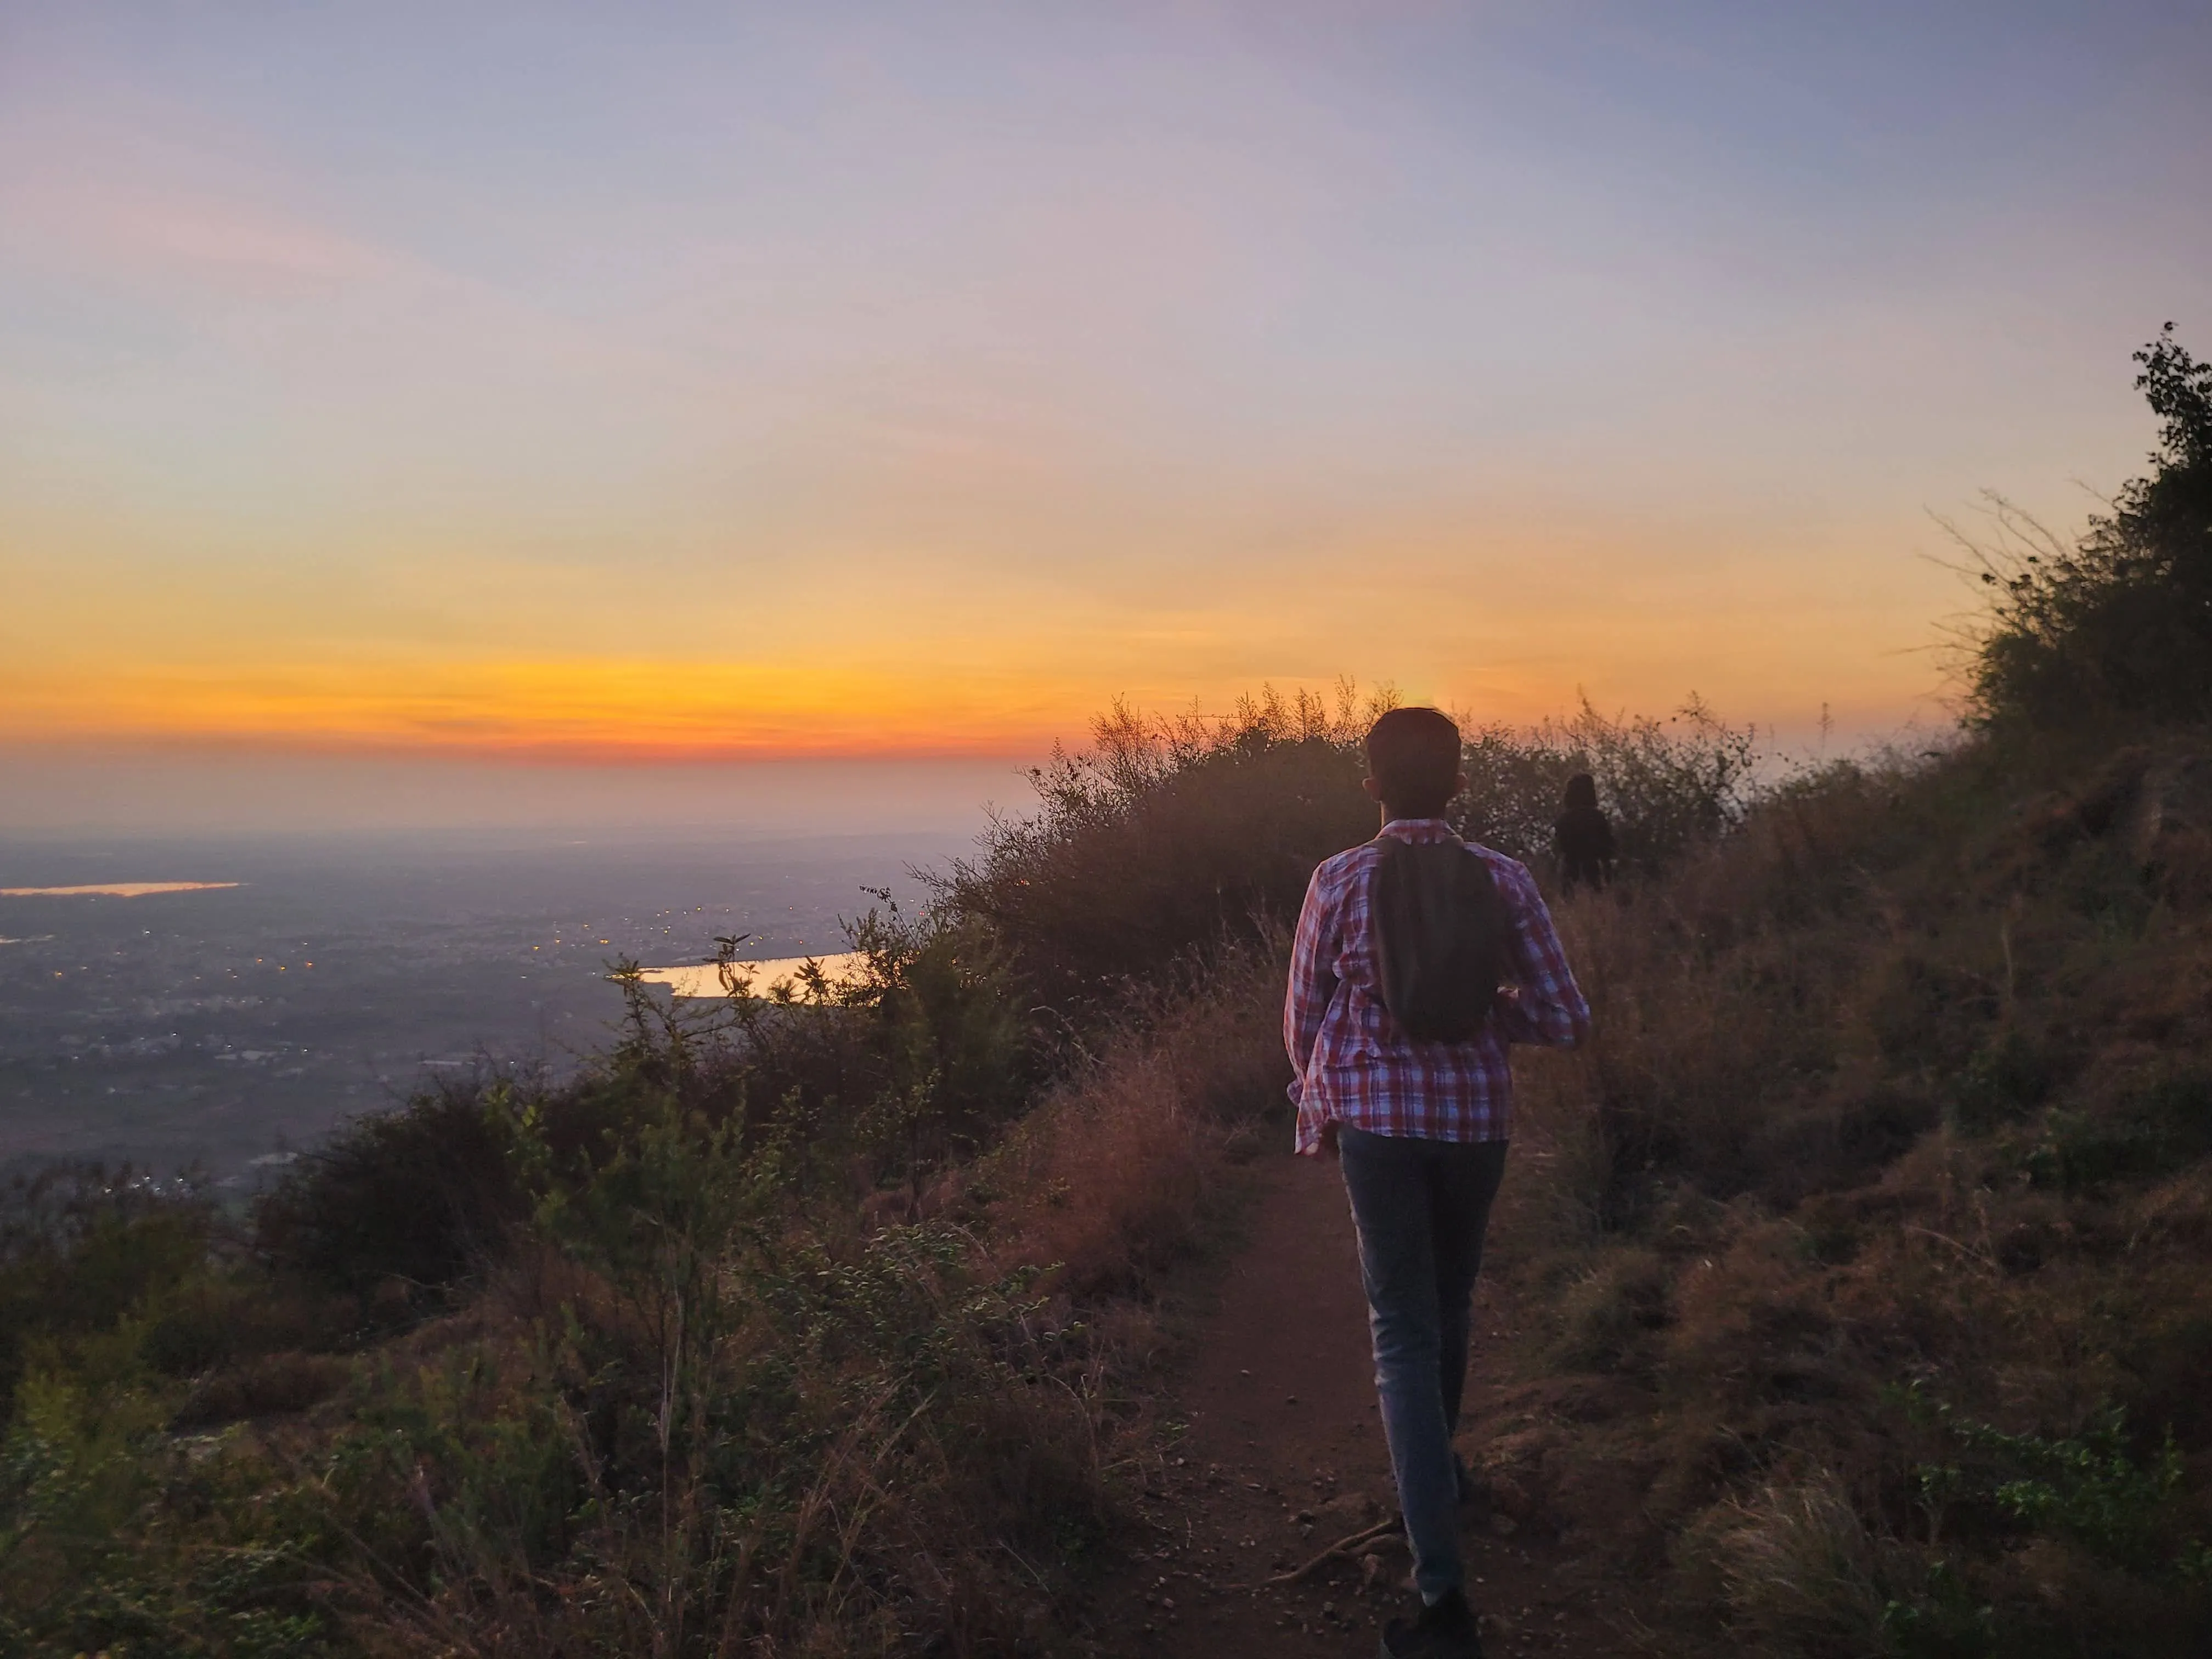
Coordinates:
83 1471
81 1246
1170 837
415 1198
728 1425
2095 1489
2044 1544
1943 1619
1165 837
1667 784
2005 1080
917 1060
2158 1128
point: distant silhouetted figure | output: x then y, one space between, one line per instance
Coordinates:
1585 838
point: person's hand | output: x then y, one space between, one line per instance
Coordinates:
1327 1147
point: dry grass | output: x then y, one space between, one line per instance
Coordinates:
1898 1095
1793 1565
1115 1173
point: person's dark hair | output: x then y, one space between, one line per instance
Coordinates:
1581 791
1413 755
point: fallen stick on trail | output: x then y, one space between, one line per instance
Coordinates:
1343 1547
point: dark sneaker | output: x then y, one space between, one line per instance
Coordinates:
1444 1630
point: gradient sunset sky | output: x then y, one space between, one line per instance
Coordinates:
806 380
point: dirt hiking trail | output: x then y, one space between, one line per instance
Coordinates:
1284 1455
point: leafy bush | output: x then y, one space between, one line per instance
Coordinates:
82 1471
722 1425
2157 1128
2121 623
412 1199
81 1246
1166 836
1172 836
1667 784
2094 1489
916 1060
2002 1080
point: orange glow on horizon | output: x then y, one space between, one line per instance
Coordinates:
597 712
581 710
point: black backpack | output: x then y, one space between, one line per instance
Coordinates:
1440 937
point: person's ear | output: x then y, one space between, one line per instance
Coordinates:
1374 789
1459 784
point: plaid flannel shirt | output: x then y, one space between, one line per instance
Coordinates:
1354 1066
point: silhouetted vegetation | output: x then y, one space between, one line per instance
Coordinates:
82 1247
1172 837
2121 623
1165 837
1665 785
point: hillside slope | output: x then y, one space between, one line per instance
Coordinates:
1875 1223
1861 1263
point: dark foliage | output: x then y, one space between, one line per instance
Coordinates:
2120 624
412 1199
1163 838
914 1062
1170 837
81 1245
1666 786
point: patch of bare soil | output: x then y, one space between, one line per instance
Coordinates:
1284 1455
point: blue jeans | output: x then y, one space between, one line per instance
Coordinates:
1421 1207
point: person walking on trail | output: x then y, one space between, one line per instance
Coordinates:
1583 838
1398 1030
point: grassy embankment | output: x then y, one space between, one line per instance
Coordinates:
1872 1228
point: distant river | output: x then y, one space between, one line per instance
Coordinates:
705 979
218 1001
115 889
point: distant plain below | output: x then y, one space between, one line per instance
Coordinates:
221 1003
